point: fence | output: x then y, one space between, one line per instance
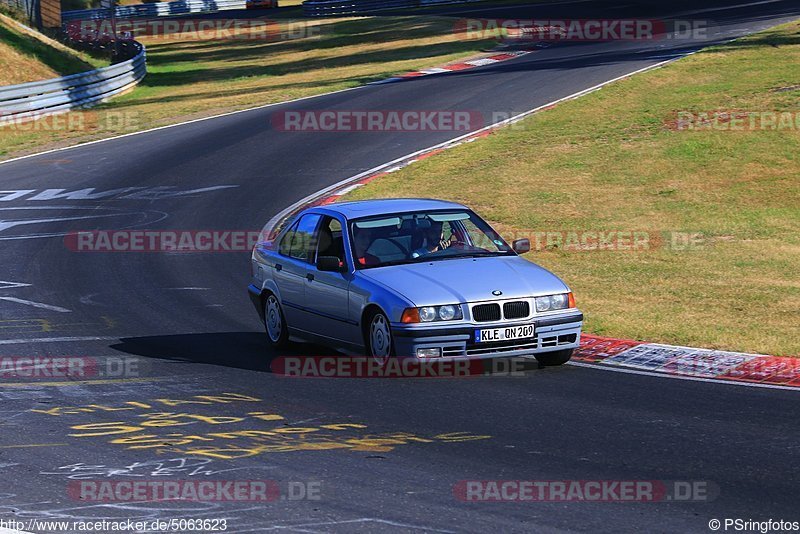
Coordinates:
33 99
157 9
328 8
29 8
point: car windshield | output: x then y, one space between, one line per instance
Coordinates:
423 236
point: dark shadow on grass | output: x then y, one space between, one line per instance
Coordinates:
328 85
766 40
179 78
344 34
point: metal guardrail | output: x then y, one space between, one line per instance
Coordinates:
33 99
311 8
156 9
328 8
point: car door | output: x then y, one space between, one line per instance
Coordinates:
296 248
327 292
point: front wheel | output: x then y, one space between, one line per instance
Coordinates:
559 357
274 322
379 338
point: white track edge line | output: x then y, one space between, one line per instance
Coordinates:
226 114
656 374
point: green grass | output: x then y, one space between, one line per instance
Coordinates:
610 161
26 56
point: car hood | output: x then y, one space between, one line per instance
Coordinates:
466 280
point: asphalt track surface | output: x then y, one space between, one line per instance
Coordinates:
397 448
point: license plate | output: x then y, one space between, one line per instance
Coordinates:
506 333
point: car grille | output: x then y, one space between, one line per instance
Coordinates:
486 312
540 342
516 309
480 349
475 349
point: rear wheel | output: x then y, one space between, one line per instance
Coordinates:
379 338
274 322
559 357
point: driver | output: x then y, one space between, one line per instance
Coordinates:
433 240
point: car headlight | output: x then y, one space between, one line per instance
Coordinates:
429 314
562 301
558 302
447 313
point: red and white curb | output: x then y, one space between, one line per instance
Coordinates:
482 62
708 364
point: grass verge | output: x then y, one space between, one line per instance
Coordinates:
615 160
189 79
27 56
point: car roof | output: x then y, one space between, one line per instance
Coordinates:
369 208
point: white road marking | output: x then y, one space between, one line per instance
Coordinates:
434 70
8 285
481 62
81 145
4 225
680 377
186 289
36 304
143 218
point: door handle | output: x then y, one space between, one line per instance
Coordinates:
278 266
310 277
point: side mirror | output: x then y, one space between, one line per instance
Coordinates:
521 246
329 263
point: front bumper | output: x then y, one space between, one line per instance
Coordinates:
551 333
255 297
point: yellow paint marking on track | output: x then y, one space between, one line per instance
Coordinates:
46 325
66 383
32 325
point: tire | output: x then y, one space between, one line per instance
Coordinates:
552 359
378 337
274 322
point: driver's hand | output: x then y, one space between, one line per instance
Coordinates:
444 243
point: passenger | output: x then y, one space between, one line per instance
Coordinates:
362 241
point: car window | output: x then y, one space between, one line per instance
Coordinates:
286 242
423 236
479 237
330 241
300 242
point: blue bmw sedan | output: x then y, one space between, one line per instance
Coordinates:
410 278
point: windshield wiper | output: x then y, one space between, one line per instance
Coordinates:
429 257
393 262
480 253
